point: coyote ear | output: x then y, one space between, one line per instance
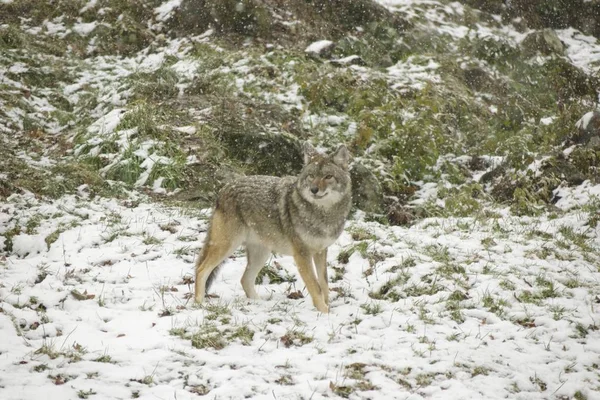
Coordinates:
341 157
309 152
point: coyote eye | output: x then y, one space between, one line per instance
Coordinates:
328 177
311 176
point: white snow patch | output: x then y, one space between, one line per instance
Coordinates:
151 62
90 4
318 46
157 186
346 60
186 68
536 166
583 50
584 121
290 97
577 196
569 150
547 120
186 129
18 68
148 164
84 29
427 192
163 12
55 28
24 244
335 120
106 124
413 73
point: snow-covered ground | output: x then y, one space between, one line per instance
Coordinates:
95 300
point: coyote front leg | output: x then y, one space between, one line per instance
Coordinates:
321 265
304 262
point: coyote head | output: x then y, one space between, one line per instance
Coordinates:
324 180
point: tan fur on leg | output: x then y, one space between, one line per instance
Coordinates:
305 267
220 243
320 260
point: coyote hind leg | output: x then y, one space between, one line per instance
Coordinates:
257 256
221 241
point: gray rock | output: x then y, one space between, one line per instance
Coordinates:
588 129
476 77
321 48
544 42
367 194
350 60
265 153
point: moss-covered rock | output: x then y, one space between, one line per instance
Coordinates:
367 193
538 14
246 17
320 19
251 137
588 129
544 41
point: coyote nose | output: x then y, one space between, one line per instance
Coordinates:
314 189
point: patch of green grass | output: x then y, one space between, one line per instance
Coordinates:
390 289
495 305
536 380
344 391
455 309
243 333
372 308
507 285
53 237
295 338
105 358
32 224
480 370
463 201
580 240
217 309
211 84
181 332
274 274
438 253
285 380
159 85
208 336
360 234
450 269
48 349
423 380
151 240
41 368
344 256
184 251
84 394
211 336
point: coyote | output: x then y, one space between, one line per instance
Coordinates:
299 216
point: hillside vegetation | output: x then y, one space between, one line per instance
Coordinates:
179 97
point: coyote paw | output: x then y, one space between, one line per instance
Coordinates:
323 308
